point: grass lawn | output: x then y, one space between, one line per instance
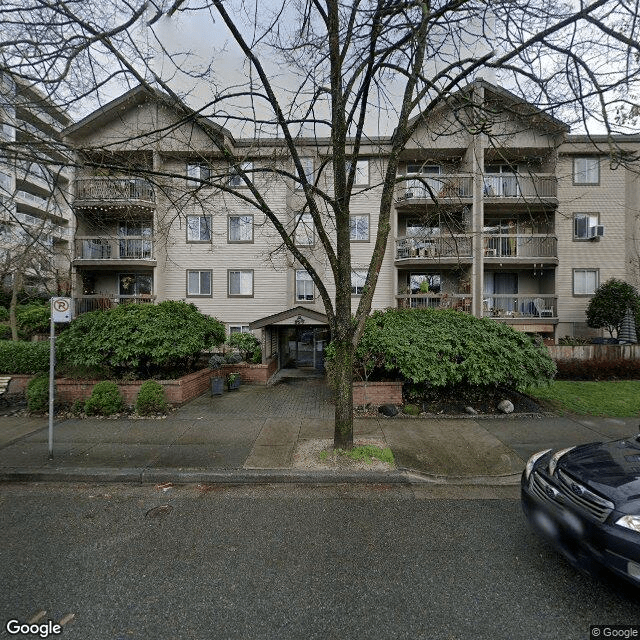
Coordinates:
620 399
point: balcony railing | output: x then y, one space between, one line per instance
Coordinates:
437 186
456 245
520 246
514 306
129 248
105 301
520 186
459 301
105 189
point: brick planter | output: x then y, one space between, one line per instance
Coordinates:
376 393
250 373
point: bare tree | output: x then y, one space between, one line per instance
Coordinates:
352 69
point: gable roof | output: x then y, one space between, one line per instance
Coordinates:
132 98
287 317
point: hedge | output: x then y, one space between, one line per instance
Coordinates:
23 357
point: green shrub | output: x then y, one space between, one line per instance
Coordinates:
33 318
4 314
245 343
256 356
38 394
105 399
141 339
151 399
5 332
77 408
443 348
23 357
411 409
609 304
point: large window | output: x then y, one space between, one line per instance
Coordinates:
134 285
307 167
425 283
199 228
304 286
358 281
304 234
361 178
198 173
582 223
241 228
236 178
586 171
359 228
199 283
239 328
135 240
241 283
585 281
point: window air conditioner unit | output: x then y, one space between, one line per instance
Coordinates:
597 231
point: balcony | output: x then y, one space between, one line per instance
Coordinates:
521 248
114 191
518 306
103 251
445 247
436 187
458 301
104 301
532 187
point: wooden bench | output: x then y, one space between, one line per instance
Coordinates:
4 387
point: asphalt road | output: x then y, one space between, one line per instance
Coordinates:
299 562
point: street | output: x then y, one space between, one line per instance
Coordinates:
120 562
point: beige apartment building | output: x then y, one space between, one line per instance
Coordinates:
513 219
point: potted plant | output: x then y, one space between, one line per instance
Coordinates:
217 381
233 381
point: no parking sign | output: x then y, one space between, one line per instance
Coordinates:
61 309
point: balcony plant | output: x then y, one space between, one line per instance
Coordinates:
217 381
233 381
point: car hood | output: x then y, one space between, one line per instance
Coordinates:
611 469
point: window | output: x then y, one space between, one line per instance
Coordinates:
199 283
237 179
423 169
359 227
358 280
241 228
135 240
586 171
239 328
425 283
585 282
198 172
241 283
582 223
198 228
304 234
305 290
307 167
133 285
361 177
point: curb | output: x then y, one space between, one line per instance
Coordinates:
143 476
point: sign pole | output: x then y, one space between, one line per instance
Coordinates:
52 375
61 311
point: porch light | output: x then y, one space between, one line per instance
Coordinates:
299 319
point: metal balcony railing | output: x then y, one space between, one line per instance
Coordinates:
456 245
106 189
458 301
520 306
103 248
104 301
520 246
436 186
532 186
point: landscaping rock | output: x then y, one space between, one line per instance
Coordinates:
471 411
506 406
388 410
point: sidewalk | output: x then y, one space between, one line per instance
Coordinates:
251 436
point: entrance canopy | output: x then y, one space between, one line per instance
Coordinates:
298 316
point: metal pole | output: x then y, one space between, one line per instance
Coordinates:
52 365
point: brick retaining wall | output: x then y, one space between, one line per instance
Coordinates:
250 373
376 393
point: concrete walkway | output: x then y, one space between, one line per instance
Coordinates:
250 435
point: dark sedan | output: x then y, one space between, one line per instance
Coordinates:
586 500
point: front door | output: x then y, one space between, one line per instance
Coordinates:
303 347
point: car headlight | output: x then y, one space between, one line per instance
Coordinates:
532 461
629 522
555 458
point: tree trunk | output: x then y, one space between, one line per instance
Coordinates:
343 372
13 320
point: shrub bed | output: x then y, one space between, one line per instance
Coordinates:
23 357
105 399
151 399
